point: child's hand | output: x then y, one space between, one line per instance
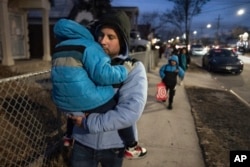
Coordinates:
129 66
77 120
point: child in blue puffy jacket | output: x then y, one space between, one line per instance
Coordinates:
168 74
81 74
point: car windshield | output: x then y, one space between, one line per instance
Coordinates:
196 46
135 35
223 53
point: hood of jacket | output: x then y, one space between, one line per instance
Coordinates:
173 58
68 29
121 23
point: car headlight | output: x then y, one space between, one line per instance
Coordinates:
240 62
157 47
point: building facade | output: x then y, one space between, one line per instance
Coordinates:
27 26
14 41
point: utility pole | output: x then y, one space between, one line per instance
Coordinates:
201 35
217 29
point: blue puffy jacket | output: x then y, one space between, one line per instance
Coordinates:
168 69
82 81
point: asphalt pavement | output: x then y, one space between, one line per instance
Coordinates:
170 135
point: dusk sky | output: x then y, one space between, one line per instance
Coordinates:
223 10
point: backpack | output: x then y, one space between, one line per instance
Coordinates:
74 51
119 61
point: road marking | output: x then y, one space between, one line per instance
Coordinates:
240 98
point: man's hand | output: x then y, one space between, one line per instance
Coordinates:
128 65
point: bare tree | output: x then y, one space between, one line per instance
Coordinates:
154 22
149 18
175 18
238 30
182 14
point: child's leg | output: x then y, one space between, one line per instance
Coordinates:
171 97
69 128
103 108
67 139
133 150
127 135
69 124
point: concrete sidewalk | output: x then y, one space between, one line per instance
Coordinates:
169 135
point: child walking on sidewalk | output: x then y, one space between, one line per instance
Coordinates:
169 73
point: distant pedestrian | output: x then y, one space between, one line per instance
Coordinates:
161 50
167 52
168 74
182 57
176 52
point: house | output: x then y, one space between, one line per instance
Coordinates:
132 12
26 28
14 41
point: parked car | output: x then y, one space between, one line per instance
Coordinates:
222 60
137 44
198 50
241 50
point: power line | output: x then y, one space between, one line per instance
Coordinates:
223 8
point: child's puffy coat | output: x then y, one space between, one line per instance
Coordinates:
84 81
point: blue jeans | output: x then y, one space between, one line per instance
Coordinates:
85 156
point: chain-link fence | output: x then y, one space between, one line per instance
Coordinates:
30 126
29 122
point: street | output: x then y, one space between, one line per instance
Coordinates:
237 84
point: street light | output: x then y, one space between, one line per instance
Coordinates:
209 25
240 12
194 36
